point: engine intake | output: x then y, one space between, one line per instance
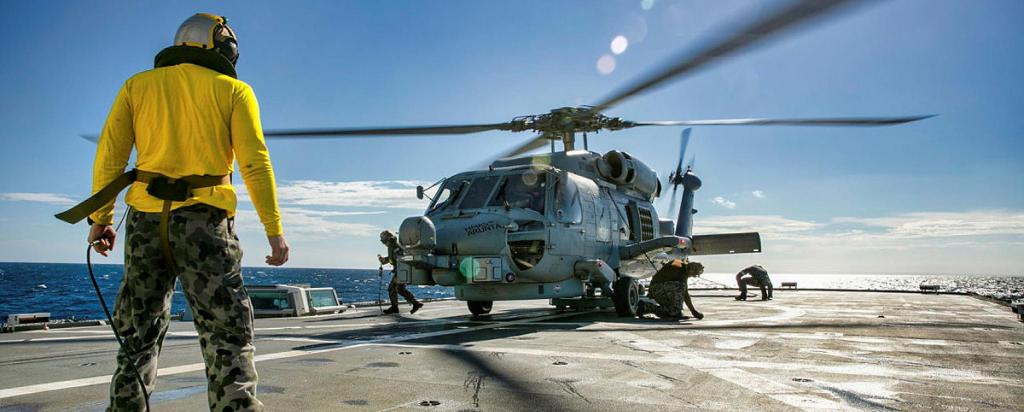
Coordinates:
625 170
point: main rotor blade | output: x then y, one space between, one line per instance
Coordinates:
533 144
387 131
848 121
752 34
95 138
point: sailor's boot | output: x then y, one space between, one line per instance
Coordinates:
416 306
391 310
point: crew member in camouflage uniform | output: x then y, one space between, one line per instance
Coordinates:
394 288
669 288
754 276
188 118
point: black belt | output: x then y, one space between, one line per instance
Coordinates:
162 187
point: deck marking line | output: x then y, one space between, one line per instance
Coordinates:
53 339
341 345
300 339
105 331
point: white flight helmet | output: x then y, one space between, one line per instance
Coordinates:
208 31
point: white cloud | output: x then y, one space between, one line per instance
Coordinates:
973 242
944 224
329 213
777 227
310 224
726 203
758 194
52 198
934 230
391 194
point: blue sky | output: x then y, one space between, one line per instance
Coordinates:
943 195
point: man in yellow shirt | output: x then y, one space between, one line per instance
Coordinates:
188 119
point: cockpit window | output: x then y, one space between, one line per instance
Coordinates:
567 200
478 193
522 190
448 194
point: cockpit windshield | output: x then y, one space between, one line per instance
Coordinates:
448 194
525 190
478 193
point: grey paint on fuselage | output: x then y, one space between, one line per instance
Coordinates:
540 215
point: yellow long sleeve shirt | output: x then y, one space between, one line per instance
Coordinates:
187 120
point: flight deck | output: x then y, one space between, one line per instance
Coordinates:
805 350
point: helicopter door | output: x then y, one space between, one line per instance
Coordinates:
568 215
604 223
599 220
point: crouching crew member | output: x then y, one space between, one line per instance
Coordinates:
395 288
187 119
754 276
669 288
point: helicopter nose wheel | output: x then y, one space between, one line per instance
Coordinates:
627 296
479 307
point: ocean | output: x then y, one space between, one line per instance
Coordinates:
64 289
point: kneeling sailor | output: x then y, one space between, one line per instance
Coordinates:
669 288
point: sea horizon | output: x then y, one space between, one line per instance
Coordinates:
981 274
66 291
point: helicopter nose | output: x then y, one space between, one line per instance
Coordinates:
417 232
483 234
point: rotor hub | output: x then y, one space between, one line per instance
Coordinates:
564 120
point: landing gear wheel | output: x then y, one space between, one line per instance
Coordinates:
479 307
627 296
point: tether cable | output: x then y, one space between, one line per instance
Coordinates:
110 319
380 284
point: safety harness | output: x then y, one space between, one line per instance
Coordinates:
162 187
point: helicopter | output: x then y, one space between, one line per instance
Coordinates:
566 224
570 223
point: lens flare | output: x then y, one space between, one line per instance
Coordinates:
606 64
619 44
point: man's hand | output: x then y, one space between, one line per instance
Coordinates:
383 260
278 250
102 237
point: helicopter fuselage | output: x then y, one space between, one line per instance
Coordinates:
537 227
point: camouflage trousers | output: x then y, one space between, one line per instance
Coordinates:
207 261
669 296
395 288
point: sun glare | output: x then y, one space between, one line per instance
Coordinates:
606 64
619 44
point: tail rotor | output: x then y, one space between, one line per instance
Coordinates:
690 183
675 178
